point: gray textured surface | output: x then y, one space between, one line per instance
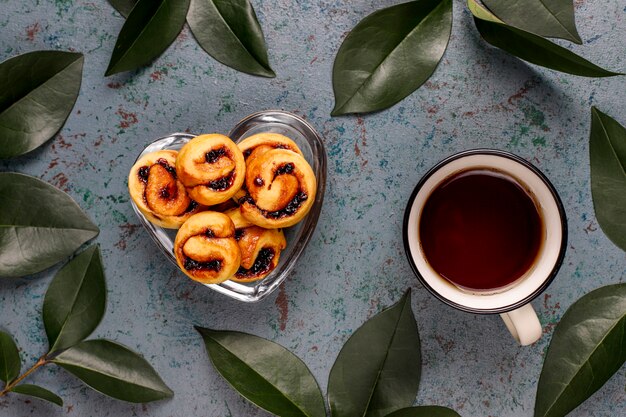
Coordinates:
355 264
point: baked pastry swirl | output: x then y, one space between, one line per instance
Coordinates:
280 189
211 167
260 143
157 193
260 248
206 249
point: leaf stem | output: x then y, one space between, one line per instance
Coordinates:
41 362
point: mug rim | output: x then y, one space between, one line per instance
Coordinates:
561 210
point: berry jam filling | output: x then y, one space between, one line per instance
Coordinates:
191 265
166 193
258 181
209 233
192 206
239 234
289 210
223 183
246 199
214 155
167 166
143 174
284 169
262 264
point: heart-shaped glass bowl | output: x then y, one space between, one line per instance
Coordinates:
276 121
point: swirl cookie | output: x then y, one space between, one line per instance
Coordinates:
206 249
280 189
260 248
156 191
211 167
260 143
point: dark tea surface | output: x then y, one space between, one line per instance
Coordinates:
480 229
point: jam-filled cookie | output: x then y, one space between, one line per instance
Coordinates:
157 192
280 189
211 167
260 248
260 143
206 249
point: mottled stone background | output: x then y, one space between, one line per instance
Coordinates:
355 264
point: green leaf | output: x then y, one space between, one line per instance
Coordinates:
114 370
38 392
587 348
481 12
548 18
75 301
10 362
151 27
265 373
425 411
607 154
37 94
537 50
389 54
39 225
378 369
229 31
123 6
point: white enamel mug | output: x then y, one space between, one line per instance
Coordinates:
513 301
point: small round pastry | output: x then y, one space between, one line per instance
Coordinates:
157 193
280 189
211 167
260 248
260 143
206 249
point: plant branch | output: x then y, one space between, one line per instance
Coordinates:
41 362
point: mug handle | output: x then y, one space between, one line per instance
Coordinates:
523 324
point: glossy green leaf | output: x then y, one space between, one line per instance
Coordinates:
549 18
38 392
37 94
39 225
425 411
150 28
10 362
114 370
378 369
587 348
537 50
75 301
607 154
265 373
481 11
389 54
123 6
229 31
